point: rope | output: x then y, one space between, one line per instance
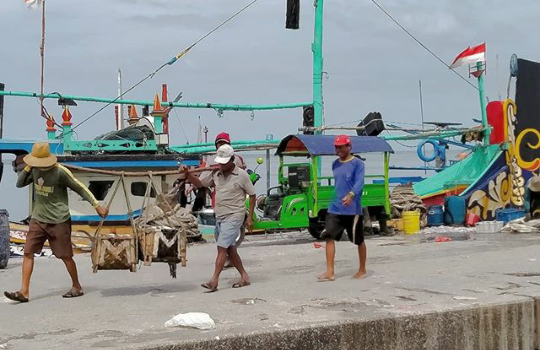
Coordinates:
178 118
170 62
422 44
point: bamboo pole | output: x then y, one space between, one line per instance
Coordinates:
145 173
133 227
97 236
432 135
217 106
234 144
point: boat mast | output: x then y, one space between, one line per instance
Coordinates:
120 121
316 47
42 54
480 71
318 66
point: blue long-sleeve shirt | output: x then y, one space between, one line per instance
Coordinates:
349 177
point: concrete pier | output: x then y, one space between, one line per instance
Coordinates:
477 294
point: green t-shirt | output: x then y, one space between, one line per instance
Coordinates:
50 192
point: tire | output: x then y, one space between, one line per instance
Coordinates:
316 225
3 260
241 236
4 238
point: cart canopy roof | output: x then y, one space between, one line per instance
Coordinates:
323 145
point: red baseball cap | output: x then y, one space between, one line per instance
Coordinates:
223 137
342 140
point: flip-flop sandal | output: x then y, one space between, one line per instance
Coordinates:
325 279
241 284
16 296
209 287
73 294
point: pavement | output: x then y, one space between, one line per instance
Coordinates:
406 278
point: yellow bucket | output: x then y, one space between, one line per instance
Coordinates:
411 222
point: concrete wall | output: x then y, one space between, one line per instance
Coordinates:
509 326
537 323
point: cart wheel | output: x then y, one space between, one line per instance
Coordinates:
241 236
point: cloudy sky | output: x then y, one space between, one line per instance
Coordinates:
370 63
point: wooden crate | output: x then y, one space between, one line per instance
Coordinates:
114 253
162 245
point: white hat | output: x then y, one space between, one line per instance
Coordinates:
224 154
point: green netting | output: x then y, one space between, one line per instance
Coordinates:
463 173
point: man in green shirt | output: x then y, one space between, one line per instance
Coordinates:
50 216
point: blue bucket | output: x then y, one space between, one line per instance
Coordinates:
435 215
454 210
509 214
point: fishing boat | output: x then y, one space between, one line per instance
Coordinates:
153 152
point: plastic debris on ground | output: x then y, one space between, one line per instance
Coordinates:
464 298
446 233
447 230
489 226
18 251
522 226
198 320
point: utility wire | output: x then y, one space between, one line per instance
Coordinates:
179 122
170 62
421 44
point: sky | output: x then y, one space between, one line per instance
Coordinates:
370 63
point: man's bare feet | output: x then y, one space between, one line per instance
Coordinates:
326 277
359 275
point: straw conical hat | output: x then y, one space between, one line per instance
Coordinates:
41 156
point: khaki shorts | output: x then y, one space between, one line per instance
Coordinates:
58 235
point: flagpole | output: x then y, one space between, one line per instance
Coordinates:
480 69
42 53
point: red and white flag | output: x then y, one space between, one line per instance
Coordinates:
32 4
470 55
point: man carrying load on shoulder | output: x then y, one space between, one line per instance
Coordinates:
50 216
232 185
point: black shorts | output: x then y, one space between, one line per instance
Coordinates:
336 224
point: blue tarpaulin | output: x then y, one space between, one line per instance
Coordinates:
323 145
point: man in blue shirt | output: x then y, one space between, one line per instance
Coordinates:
345 212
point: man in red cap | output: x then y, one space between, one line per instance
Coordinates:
345 211
223 138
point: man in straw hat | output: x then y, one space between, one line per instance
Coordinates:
50 216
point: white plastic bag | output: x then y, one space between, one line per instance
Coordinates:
199 320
